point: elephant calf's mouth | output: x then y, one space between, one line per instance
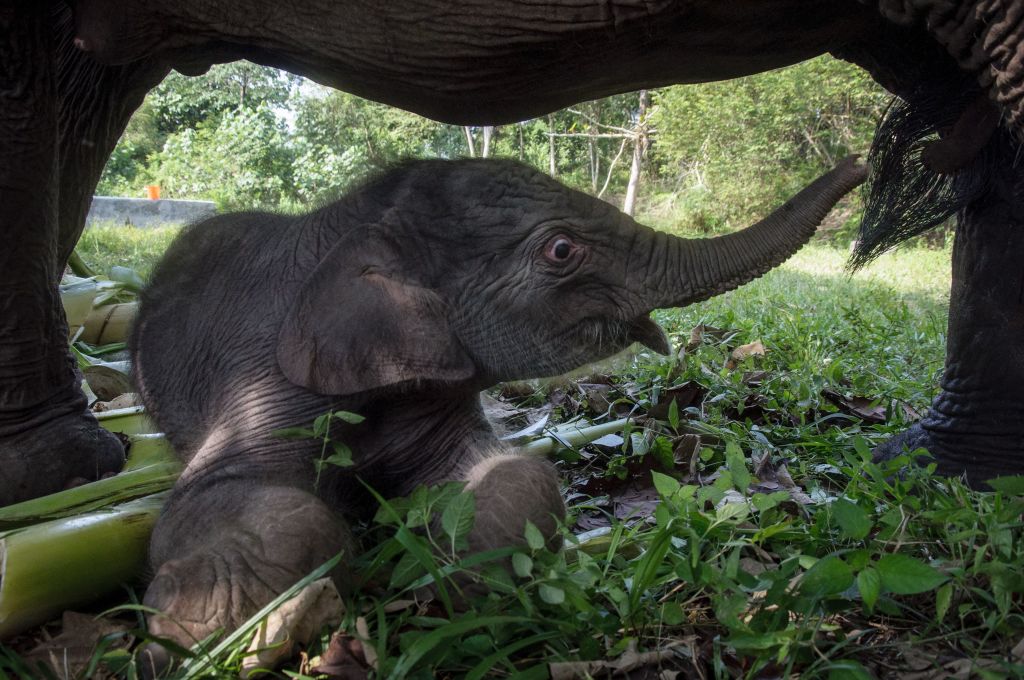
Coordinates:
604 337
649 334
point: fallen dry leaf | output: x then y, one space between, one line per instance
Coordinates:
344 659
910 413
686 453
629 660
369 653
686 395
751 349
107 383
69 653
126 400
868 410
294 623
696 337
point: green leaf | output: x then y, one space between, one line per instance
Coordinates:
294 433
943 597
322 425
551 594
348 417
731 511
853 521
673 414
905 575
662 452
863 449
737 464
486 667
406 571
127 277
534 538
666 486
522 565
426 643
457 518
764 502
342 456
647 567
1008 486
848 669
869 583
829 576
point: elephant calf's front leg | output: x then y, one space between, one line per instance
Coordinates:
225 552
511 490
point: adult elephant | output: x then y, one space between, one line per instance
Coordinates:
72 72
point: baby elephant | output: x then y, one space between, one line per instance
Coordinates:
399 302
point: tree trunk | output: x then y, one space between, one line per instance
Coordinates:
593 148
242 91
469 141
488 131
552 158
639 149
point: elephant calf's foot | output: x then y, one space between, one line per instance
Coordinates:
511 490
54 455
225 553
204 592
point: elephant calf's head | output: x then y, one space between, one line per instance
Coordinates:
480 271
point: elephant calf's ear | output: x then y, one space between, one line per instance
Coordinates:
355 327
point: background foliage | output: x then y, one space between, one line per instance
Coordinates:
714 156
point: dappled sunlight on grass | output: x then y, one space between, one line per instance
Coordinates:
103 246
906 270
879 333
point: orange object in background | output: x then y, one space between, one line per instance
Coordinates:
152 191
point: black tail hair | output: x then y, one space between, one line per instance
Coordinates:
903 198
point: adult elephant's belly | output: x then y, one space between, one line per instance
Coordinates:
483 61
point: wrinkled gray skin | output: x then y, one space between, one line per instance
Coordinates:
72 72
400 302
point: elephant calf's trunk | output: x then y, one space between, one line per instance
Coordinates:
709 267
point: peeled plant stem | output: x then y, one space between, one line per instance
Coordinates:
131 420
573 437
49 567
110 323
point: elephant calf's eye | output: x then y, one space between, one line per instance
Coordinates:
559 249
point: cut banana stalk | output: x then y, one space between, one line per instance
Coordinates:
110 323
53 566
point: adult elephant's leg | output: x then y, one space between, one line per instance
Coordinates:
975 426
46 436
224 549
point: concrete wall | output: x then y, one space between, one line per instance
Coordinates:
143 212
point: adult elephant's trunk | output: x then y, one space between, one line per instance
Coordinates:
692 270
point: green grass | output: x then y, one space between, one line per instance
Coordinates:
105 245
787 553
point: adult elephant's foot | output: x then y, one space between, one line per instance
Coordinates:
977 456
975 427
224 553
46 454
